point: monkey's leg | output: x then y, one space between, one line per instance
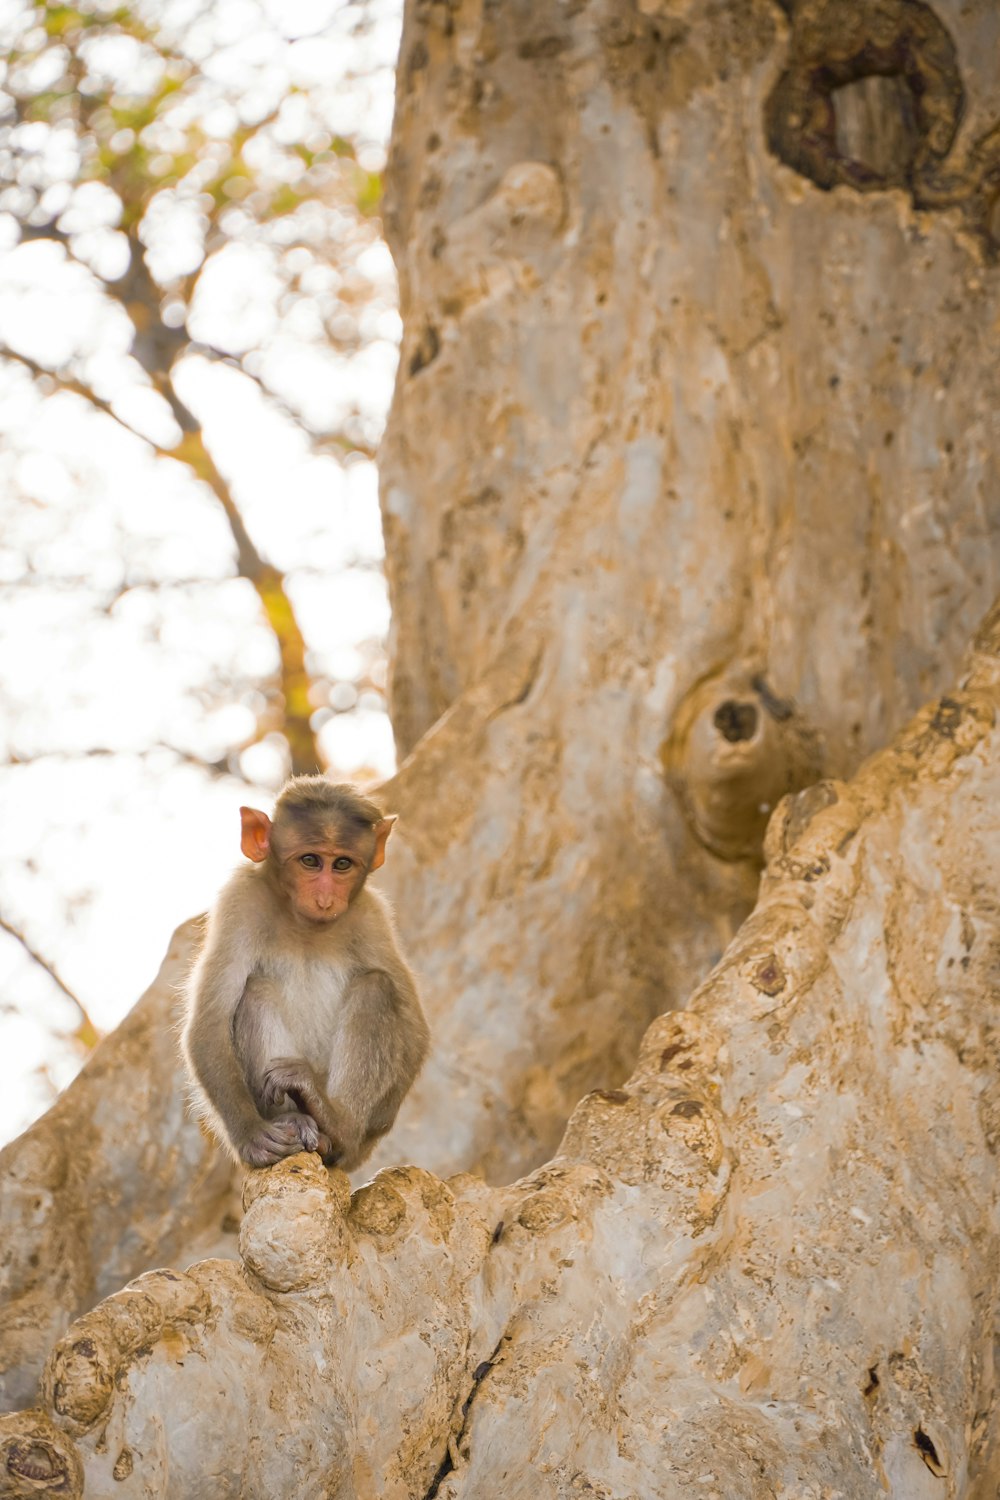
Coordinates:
383 1117
379 1054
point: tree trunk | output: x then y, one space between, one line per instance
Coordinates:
113 1178
689 493
765 1267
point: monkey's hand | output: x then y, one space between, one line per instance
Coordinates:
292 1078
281 1137
284 1079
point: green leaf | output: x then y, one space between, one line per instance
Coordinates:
285 201
40 107
368 192
59 19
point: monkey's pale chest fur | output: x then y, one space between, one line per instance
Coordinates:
273 1000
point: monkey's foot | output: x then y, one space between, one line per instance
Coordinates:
312 1138
281 1137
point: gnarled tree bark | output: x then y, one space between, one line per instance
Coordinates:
690 500
766 1266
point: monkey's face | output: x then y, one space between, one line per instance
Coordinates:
322 881
319 862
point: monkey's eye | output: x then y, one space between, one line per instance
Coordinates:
311 861
342 862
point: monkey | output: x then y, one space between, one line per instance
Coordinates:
303 1028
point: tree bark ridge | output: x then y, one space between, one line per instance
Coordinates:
765 1265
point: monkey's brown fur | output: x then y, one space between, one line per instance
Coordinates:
304 1029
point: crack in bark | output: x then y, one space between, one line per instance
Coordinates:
453 1446
524 687
928 1452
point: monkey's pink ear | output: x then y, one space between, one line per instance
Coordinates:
255 837
382 832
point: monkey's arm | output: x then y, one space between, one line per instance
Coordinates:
215 990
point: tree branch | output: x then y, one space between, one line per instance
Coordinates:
267 580
214 768
76 387
85 1032
769 1220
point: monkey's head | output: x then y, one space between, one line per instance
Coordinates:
322 844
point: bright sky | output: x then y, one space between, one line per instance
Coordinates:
128 648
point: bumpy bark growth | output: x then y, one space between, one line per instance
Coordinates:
113 1177
689 494
767 1265
690 498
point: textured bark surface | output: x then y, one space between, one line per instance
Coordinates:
690 493
765 1267
115 1176
710 453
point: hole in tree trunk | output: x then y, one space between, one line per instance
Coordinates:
35 1461
876 125
928 1452
735 721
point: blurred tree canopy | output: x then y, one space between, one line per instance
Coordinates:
169 175
197 343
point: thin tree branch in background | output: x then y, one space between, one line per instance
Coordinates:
269 583
136 143
85 1032
338 443
212 768
267 580
158 347
66 382
344 447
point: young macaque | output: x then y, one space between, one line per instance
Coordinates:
304 1030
